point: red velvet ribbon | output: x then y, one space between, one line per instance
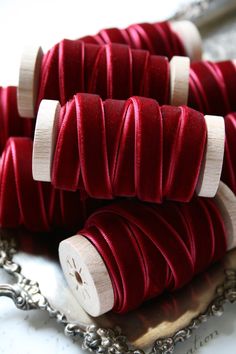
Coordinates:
117 71
157 38
128 148
212 87
11 124
16 177
229 164
112 71
165 246
36 206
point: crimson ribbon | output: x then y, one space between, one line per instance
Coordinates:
36 205
117 71
128 148
112 71
149 249
11 124
157 38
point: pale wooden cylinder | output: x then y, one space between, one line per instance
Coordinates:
190 37
225 200
46 131
87 275
29 76
210 173
179 80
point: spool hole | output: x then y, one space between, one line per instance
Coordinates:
78 278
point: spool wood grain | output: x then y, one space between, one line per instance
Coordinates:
87 275
191 38
226 202
211 168
179 80
28 84
45 136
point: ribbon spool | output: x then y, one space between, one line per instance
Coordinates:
31 62
205 86
88 277
46 132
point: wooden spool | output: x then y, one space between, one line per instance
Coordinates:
45 135
93 286
179 80
31 61
225 200
86 275
190 37
46 131
29 76
210 173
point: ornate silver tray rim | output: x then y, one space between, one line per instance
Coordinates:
26 295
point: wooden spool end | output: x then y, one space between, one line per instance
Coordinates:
46 131
210 173
179 80
87 275
190 37
29 75
225 200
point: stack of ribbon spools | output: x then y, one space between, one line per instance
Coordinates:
133 145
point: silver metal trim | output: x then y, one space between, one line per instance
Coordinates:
26 295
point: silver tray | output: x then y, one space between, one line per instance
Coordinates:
159 324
